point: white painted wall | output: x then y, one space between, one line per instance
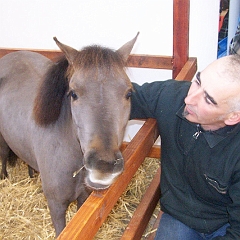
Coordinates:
33 23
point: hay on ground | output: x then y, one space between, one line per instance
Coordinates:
24 213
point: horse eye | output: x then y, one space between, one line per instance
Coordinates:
129 94
73 95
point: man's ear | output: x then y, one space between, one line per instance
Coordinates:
233 118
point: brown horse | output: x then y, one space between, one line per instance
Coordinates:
66 119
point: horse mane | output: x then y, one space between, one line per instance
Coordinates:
48 102
49 99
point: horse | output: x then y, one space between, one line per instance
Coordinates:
66 119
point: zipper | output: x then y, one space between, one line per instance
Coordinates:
197 133
192 140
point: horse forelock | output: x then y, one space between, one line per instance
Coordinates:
49 98
99 58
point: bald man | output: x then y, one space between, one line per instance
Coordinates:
199 127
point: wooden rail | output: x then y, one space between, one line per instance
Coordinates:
134 60
188 71
143 213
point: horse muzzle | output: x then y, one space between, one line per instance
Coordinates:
101 174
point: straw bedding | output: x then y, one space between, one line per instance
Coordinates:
24 213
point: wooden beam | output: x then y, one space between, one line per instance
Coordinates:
155 151
188 71
181 9
155 226
91 215
51 54
143 213
134 60
150 61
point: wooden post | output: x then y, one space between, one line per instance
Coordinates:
181 10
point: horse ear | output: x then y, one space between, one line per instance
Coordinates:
69 52
126 49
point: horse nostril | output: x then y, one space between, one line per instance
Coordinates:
118 161
118 165
105 163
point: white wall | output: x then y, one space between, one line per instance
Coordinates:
33 23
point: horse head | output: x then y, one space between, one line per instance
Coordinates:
100 93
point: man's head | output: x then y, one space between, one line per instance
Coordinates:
213 99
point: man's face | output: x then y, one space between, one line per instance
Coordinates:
207 101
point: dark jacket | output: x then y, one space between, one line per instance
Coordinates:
200 180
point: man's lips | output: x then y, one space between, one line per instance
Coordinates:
188 111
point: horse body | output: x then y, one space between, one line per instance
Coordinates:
19 81
59 124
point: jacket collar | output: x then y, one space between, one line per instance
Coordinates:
212 137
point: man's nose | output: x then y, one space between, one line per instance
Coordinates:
193 97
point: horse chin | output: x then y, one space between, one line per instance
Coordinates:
100 184
95 186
